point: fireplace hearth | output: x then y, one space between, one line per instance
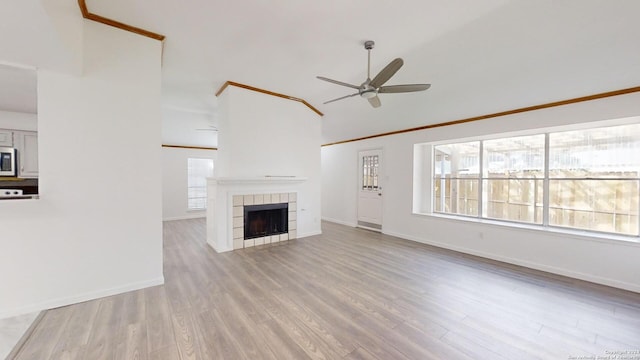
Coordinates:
265 220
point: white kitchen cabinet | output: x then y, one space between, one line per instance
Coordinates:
6 138
26 142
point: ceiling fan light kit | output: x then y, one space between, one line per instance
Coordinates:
368 94
370 89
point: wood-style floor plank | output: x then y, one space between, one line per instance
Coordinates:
346 294
75 337
158 320
47 335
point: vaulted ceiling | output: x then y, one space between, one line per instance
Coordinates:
480 56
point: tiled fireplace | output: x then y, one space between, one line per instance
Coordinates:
241 238
227 199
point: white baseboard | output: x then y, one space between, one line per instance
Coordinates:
68 300
221 250
307 234
528 264
185 217
346 223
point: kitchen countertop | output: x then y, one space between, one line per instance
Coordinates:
28 186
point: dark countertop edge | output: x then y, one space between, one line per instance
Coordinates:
23 197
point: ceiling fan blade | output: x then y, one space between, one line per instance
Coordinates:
340 98
387 73
375 101
403 88
338 82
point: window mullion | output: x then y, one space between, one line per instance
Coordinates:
545 183
480 173
638 217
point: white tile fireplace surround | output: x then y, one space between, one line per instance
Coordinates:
225 211
240 201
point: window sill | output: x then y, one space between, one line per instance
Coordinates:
577 234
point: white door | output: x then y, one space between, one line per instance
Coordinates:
370 189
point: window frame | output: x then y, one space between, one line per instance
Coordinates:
487 178
545 225
458 177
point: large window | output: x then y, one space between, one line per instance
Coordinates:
582 179
198 170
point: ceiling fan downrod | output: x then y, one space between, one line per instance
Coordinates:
368 45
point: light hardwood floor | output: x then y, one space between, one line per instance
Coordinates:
12 330
347 294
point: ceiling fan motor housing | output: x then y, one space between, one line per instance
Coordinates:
367 91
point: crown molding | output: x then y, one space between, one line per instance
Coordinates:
101 19
232 83
498 114
189 147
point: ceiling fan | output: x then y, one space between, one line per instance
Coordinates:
370 89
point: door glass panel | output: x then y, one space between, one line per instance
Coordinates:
370 167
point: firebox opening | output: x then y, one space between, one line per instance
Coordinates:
265 220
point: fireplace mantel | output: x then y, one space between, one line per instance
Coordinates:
259 180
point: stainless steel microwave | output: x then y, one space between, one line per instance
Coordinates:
8 164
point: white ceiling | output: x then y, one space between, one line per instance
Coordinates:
185 126
41 33
35 34
480 56
18 89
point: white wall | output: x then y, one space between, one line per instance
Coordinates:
97 228
18 121
174 182
263 135
603 261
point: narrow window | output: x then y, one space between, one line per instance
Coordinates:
198 170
